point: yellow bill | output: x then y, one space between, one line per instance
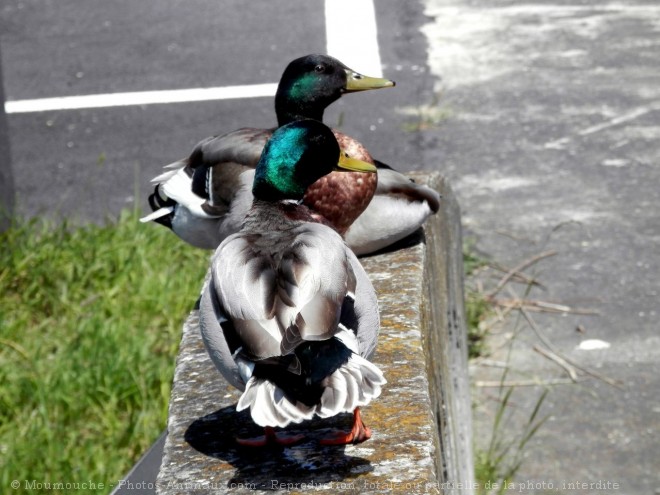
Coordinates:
353 164
358 82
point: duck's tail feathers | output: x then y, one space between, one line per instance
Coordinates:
170 170
269 406
178 187
161 212
353 385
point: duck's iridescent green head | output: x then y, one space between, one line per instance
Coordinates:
296 156
310 84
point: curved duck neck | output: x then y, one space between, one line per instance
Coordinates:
289 110
277 215
302 99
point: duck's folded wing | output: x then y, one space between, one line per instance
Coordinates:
217 165
207 181
398 208
245 287
396 184
211 320
363 318
242 146
275 304
316 278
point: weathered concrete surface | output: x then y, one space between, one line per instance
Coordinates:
550 138
443 314
421 423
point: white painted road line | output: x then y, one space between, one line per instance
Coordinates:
140 98
352 36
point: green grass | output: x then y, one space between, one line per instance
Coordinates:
477 308
496 464
90 322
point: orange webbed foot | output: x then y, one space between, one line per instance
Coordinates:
358 434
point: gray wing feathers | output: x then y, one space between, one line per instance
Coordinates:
284 295
242 146
319 276
246 284
366 309
210 317
276 303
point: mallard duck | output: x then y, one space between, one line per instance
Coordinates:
288 314
205 197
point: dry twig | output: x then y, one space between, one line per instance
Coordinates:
559 360
517 270
517 277
550 346
522 383
541 306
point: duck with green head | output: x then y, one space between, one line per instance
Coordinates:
288 314
204 197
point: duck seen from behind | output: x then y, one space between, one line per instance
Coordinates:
288 314
205 197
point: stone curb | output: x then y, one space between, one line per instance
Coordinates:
422 440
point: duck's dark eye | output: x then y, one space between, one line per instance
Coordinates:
319 68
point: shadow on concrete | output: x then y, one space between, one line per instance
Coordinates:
413 239
275 468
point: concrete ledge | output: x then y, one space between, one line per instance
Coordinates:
421 423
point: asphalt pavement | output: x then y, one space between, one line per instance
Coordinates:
544 116
89 164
